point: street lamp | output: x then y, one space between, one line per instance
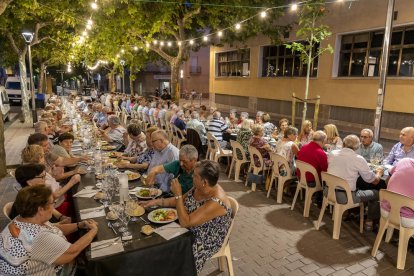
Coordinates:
122 62
28 37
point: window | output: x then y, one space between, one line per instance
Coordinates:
360 54
279 61
234 63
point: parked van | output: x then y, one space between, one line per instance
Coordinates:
4 104
14 89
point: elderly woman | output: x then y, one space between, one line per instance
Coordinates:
179 121
259 116
283 124
205 210
142 161
332 137
260 144
244 135
306 133
232 121
269 127
115 132
134 139
33 154
31 245
64 148
287 146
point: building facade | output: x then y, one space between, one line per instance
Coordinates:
263 76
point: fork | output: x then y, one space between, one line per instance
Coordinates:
106 244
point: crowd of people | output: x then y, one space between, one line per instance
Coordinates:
49 170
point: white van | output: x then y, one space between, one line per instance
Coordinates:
14 89
4 104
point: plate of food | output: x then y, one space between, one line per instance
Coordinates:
163 215
145 193
111 215
108 147
132 175
134 209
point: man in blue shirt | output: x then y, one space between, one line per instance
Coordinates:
402 149
369 148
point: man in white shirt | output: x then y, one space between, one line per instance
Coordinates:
345 163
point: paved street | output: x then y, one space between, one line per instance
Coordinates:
270 239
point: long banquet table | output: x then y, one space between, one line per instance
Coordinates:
143 255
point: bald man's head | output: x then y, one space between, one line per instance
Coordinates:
407 136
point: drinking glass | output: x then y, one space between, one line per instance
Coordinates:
106 189
124 217
131 206
153 193
116 207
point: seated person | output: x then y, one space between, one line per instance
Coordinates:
34 155
182 169
333 141
244 135
283 124
64 146
205 210
134 140
403 149
269 128
260 144
259 116
305 135
401 182
115 132
179 121
142 161
288 148
369 148
31 245
198 126
345 163
217 127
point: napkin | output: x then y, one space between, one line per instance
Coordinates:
92 212
170 230
114 246
85 193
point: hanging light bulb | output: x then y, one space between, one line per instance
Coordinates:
205 38
84 33
90 22
294 7
122 51
179 43
135 48
155 42
94 6
169 43
89 27
117 55
191 42
161 43
263 14
220 34
238 26
147 44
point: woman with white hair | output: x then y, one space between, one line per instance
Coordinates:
115 131
244 135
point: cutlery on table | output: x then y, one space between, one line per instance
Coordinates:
97 209
112 227
106 244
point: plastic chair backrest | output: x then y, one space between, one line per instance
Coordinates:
278 161
235 208
304 168
237 147
217 145
397 201
334 182
7 209
255 152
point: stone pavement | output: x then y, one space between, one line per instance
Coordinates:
268 238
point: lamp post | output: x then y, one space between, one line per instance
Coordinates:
28 37
122 62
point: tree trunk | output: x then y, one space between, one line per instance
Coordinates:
131 80
42 81
175 77
25 93
3 170
3 5
112 80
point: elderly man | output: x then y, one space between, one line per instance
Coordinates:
313 154
403 149
369 148
198 126
115 132
345 163
216 127
181 169
179 121
165 152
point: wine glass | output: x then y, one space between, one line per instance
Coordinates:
115 207
131 206
153 194
124 217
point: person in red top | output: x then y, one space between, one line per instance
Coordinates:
314 155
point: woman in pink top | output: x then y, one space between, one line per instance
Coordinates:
401 182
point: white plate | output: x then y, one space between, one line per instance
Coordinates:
136 191
151 215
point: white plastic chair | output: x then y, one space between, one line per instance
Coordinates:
219 151
278 162
7 209
236 163
253 168
393 220
224 254
302 184
334 182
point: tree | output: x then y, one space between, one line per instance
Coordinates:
313 33
3 5
151 22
